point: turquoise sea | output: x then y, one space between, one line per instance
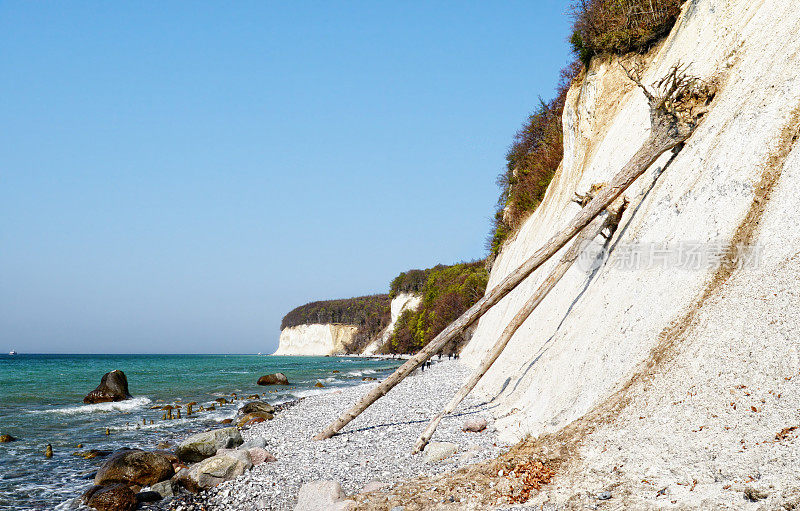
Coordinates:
41 402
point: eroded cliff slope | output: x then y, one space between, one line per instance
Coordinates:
682 366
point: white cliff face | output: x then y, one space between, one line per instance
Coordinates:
319 340
401 303
597 330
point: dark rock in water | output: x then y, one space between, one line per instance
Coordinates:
92 453
113 387
273 379
319 385
135 467
148 496
115 497
6 438
48 451
226 421
368 378
256 407
204 445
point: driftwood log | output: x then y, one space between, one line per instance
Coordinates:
670 126
595 228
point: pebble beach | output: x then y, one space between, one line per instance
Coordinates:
374 449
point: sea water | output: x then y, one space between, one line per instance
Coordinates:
41 402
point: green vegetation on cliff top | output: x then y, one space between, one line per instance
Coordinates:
600 27
371 314
447 292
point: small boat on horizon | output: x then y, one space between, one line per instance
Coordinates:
12 352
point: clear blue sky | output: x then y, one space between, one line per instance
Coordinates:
176 176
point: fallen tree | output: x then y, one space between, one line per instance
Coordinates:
674 115
595 228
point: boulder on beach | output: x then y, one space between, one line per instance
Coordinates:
256 441
322 496
256 406
474 425
438 451
114 497
134 467
113 387
227 465
165 488
170 455
254 418
259 455
148 496
204 445
273 379
373 485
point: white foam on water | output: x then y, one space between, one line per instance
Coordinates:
114 406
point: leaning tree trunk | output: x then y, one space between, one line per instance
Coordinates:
667 130
588 234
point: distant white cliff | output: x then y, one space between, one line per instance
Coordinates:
403 302
320 340
333 339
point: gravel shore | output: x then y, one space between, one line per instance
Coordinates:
376 446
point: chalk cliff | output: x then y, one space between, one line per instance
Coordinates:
336 339
320 340
736 181
402 302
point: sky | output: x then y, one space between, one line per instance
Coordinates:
177 176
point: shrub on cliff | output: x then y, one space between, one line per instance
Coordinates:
371 314
620 26
531 162
411 281
448 291
599 27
